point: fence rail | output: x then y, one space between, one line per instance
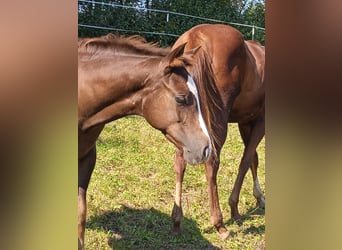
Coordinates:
167 18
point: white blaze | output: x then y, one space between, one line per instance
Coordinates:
192 87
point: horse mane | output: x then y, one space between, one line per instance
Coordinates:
111 44
210 101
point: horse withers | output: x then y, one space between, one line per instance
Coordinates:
231 71
120 76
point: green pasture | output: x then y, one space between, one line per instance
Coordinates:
131 193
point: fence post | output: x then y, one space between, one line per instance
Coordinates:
166 27
253 30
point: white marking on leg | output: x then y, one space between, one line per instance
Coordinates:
257 190
258 193
178 198
192 87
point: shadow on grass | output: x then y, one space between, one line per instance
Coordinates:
251 214
131 228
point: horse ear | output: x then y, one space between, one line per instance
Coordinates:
193 51
175 59
177 52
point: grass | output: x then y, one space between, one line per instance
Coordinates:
131 193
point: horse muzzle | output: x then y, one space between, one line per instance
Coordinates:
197 156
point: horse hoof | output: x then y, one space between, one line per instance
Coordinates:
224 235
176 231
236 217
261 203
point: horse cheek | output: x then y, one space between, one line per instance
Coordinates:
157 113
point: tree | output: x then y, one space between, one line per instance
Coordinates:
142 17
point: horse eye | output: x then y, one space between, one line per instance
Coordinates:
181 100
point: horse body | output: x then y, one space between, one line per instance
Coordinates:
125 76
235 72
250 102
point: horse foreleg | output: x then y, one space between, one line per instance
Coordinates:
177 211
251 135
82 212
256 186
85 169
216 219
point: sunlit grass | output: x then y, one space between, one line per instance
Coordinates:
131 193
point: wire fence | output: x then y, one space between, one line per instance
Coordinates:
161 31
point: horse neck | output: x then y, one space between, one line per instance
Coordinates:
115 86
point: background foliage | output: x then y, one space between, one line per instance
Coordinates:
141 18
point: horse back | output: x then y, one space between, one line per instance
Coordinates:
238 68
224 45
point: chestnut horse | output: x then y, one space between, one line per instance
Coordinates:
120 76
234 71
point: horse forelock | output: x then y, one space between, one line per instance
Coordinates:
113 44
203 75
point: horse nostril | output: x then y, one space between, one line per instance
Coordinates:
206 152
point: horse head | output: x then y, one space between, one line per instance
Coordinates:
173 106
